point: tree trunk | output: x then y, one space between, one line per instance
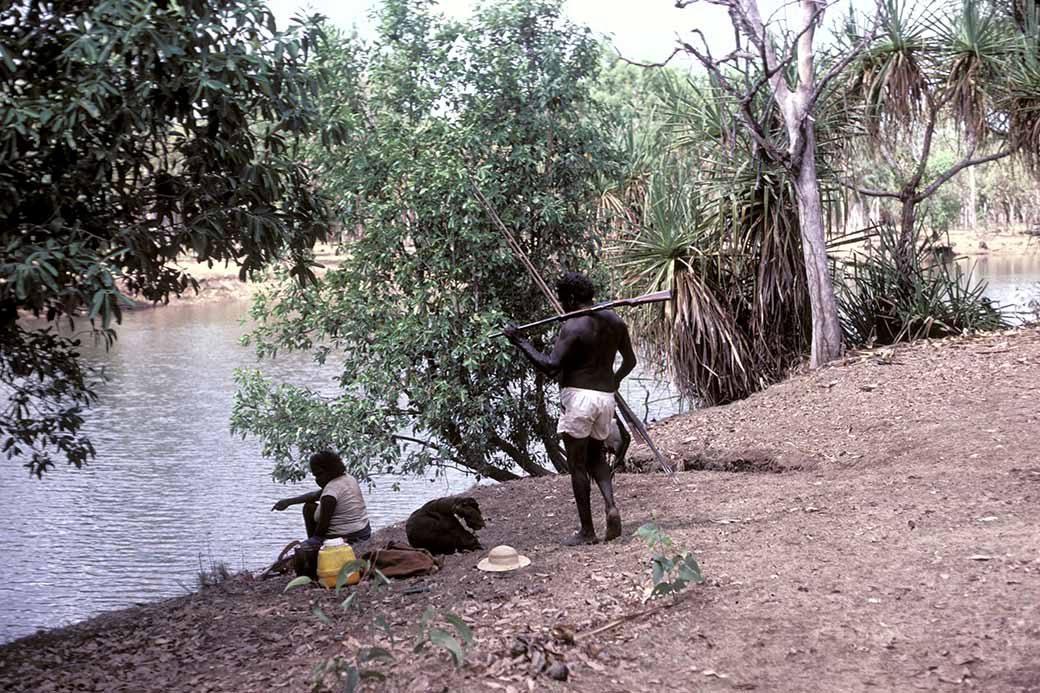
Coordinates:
973 195
905 248
827 342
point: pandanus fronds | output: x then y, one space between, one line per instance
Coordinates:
709 355
1023 92
977 41
891 77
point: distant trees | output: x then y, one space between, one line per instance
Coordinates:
426 277
134 133
944 89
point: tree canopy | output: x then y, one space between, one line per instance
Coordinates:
134 133
426 277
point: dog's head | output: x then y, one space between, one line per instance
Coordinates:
468 510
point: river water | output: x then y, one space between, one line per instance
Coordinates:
172 492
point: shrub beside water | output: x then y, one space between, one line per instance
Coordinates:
881 303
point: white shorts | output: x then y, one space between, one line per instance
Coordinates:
586 413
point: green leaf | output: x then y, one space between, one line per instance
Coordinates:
421 634
351 684
346 569
348 601
5 54
381 621
378 579
443 638
96 303
297 582
372 653
657 570
322 616
464 631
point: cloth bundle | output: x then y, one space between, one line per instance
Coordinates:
396 560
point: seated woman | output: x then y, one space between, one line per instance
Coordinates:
337 509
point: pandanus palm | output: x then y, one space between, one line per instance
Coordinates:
720 228
935 68
1022 98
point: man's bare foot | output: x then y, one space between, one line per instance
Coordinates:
579 539
613 525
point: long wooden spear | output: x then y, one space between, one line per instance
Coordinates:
665 295
626 411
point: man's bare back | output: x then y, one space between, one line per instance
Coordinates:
584 352
589 345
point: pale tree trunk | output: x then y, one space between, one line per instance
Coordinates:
799 158
856 219
972 218
827 342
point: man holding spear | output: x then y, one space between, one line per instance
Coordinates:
583 361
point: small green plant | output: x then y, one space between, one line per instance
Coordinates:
346 672
349 673
339 668
670 575
434 635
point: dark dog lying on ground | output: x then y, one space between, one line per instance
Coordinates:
436 527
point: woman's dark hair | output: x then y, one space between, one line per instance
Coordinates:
575 287
328 461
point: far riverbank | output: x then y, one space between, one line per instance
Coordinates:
993 241
222 283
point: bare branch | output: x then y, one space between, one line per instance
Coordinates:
804 41
638 64
957 168
753 128
746 19
887 156
522 459
731 56
926 146
771 68
756 32
425 443
870 192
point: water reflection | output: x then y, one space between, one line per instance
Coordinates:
1013 280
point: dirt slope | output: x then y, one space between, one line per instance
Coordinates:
883 533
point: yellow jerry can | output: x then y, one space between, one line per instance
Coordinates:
334 554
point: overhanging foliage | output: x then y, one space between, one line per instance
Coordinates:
135 132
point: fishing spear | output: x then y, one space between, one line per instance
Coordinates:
626 412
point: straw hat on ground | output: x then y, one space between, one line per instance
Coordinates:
502 558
